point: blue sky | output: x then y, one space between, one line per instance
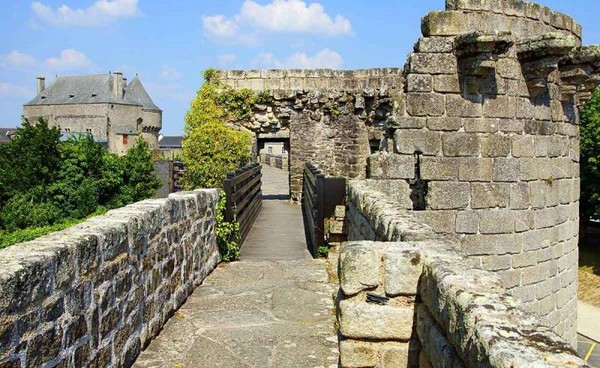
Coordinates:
170 43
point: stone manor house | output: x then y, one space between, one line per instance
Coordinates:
113 111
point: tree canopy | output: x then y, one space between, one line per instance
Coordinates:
46 181
590 158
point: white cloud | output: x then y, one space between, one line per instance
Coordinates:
99 13
15 90
70 59
289 16
226 59
219 26
324 59
17 59
169 73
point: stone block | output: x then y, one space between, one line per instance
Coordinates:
495 146
432 63
475 169
399 357
406 122
361 320
523 146
411 141
506 169
537 191
402 271
425 104
496 222
467 222
519 196
440 168
434 45
441 221
444 124
459 106
489 195
499 107
448 195
419 83
358 267
358 354
511 126
446 83
391 166
481 125
460 144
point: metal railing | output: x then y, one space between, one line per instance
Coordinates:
244 197
320 196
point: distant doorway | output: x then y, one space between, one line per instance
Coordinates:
274 153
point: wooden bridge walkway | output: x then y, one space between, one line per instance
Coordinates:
273 308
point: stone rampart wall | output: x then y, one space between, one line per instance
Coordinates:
95 294
412 300
312 80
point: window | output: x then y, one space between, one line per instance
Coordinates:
125 139
270 149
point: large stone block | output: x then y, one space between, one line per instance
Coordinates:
440 168
489 195
358 354
391 166
496 222
459 106
506 169
444 123
358 267
460 144
495 146
499 107
361 320
448 195
419 83
475 169
432 63
425 104
402 271
412 141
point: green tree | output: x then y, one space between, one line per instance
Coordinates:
139 178
30 159
213 145
590 158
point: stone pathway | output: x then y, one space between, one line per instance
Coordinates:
274 308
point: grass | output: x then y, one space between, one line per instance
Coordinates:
589 272
9 238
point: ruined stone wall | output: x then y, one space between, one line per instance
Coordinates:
480 140
95 294
329 116
415 301
487 144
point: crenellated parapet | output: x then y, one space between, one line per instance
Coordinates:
580 74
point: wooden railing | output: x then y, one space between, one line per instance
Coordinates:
320 196
244 197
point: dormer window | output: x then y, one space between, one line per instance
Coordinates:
42 97
94 95
71 95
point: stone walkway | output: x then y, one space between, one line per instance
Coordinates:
274 308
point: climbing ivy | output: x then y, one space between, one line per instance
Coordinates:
214 144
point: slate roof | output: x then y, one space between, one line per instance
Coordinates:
92 89
5 134
170 142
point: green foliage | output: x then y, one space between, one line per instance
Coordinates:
590 158
228 233
214 145
48 182
323 251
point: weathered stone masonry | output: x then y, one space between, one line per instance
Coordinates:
96 293
414 301
329 116
480 139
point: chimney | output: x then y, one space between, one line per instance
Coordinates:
41 84
118 84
